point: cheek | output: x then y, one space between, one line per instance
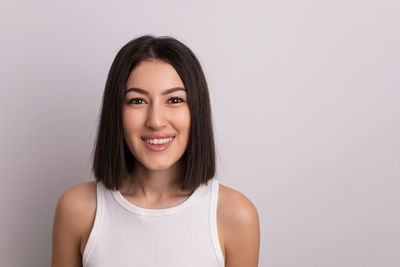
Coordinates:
182 119
131 121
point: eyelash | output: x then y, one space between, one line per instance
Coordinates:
133 99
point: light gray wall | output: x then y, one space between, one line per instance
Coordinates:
305 102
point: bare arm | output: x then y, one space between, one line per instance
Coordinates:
66 230
241 230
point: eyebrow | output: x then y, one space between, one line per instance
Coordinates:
144 92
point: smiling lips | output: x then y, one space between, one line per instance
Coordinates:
158 142
157 136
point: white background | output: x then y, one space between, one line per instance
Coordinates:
305 104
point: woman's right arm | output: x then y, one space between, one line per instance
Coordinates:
67 229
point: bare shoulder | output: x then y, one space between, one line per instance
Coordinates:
238 224
77 201
73 217
235 209
80 196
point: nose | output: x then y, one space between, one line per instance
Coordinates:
155 117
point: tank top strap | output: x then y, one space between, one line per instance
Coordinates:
213 221
100 192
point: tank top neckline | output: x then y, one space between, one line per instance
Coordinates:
157 212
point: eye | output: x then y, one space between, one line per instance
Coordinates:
175 100
136 101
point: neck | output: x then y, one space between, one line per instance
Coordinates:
152 184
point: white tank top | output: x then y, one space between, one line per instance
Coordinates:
124 234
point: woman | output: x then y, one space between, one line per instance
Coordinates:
156 200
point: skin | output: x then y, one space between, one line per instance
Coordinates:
237 217
155 113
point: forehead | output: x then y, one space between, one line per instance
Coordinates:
154 74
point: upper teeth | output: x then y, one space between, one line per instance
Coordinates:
159 141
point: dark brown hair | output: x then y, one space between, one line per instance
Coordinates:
112 158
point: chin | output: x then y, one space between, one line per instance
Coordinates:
160 166
157 168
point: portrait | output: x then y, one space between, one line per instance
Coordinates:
212 133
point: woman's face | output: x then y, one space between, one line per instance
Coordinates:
155 109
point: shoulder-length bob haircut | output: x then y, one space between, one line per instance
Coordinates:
112 158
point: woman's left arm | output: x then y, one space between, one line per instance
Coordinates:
240 229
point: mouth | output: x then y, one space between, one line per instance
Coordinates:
158 144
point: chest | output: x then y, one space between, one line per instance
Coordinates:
184 235
91 218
